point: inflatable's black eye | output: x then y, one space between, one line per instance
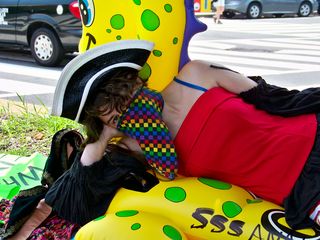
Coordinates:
87 11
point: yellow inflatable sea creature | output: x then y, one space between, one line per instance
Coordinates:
186 208
192 208
169 24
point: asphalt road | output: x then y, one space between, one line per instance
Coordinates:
285 51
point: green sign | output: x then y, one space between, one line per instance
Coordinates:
19 173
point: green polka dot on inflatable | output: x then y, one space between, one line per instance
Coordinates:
171 232
157 53
175 194
215 183
118 37
135 226
137 2
127 213
175 40
108 30
168 8
231 209
99 218
117 21
145 72
150 20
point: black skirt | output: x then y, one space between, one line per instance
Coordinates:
306 191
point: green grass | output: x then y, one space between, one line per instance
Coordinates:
25 128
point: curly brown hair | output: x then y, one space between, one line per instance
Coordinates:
112 94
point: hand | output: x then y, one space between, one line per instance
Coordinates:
109 132
130 143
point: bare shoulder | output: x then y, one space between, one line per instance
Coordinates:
202 74
199 73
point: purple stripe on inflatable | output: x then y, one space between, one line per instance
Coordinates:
193 26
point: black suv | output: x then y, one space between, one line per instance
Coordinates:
49 28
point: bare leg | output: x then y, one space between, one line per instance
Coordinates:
41 212
219 11
215 16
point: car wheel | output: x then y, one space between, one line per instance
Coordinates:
254 11
46 47
228 14
304 9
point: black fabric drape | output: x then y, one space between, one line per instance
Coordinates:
281 101
75 192
84 193
57 162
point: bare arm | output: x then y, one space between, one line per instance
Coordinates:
200 73
93 152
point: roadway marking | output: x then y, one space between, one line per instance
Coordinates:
48 73
14 88
298 51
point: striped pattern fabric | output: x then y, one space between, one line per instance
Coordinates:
143 122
